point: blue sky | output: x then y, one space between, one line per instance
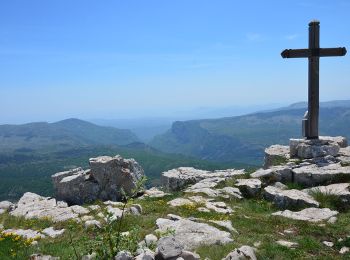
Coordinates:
113 59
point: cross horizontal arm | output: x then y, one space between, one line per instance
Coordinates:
319 52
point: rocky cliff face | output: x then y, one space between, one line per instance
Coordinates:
104 180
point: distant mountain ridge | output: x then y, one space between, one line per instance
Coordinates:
65 134
243 138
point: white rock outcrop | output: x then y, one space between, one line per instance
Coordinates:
104 180
192 234
308 214
291 199
32 205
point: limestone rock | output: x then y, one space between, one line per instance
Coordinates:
180 202
115 213
25 233
287 244
242 253
249 187
187 255
123 255
146 255
6 205
306 149
344 250
177 179
150 239
51 232
104 180
281 173
92 223
289 198
192 234
308 214
328 243
341 190
32 205
169 247
275 155
313 175
226 224
154 193
42 257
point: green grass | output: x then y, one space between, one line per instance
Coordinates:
252 218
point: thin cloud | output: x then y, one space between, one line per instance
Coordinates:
291 37
254 37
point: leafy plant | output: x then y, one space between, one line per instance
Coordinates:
111 239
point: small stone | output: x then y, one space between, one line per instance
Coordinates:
327 243
51 232
123 255
244 252
91 256
344 250
6 205
42 257
249 187
287 244
150 239
169 247
202 209
92 223
257 244
187 255
332 220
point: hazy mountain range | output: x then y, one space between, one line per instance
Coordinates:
31 153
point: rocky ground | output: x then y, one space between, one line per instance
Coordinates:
296 207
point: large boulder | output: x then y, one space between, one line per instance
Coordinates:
104 180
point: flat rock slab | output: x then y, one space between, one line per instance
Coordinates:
285 199
249 187
154 193
51 232
192 234
178 202
341 190
179 178
313 175
309 214
32 205
281 173
287 244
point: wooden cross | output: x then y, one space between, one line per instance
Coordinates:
313 53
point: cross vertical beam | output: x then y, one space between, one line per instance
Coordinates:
311 126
